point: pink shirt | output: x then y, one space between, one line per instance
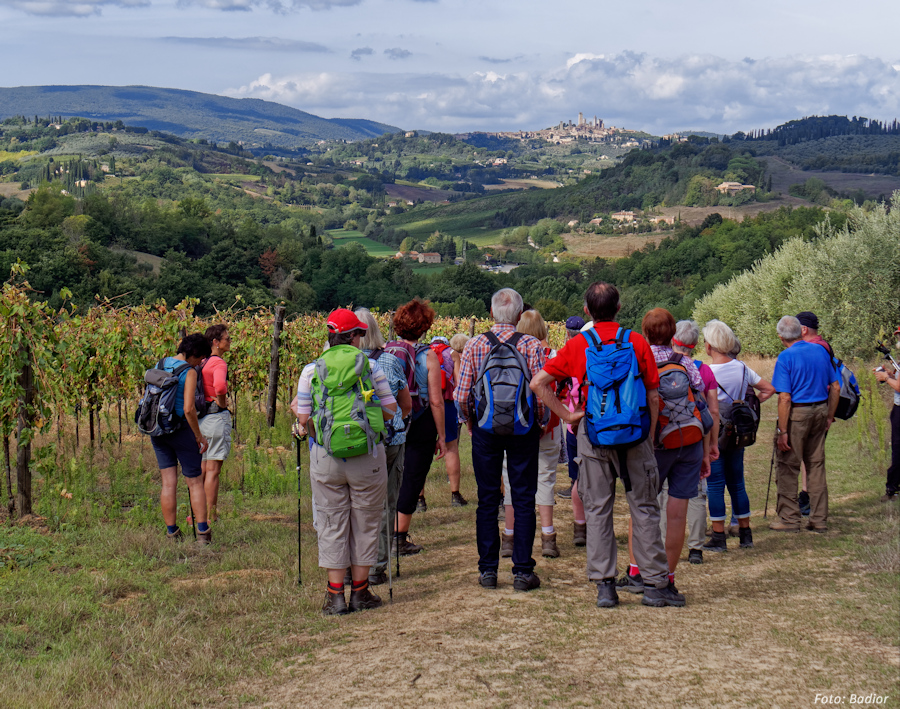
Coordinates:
215 378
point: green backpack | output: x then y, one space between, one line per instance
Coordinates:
346 412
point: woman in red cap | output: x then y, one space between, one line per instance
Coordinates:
347 466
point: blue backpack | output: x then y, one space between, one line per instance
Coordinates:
616 412
501 399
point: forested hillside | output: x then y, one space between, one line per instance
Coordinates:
188 114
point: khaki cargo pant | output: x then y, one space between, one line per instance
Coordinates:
349 494
806 437
597 488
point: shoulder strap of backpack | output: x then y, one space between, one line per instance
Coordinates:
622 335
514 340
492 338
592 338
377 353
179 369
675 358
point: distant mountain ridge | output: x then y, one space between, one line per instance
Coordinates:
189 114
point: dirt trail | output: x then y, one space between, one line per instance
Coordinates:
751 634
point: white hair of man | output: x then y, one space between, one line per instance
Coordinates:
372 338
506 306
789 328
719 336
687 332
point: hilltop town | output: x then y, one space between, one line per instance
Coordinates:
590 130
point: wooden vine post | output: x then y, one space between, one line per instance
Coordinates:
274 366
472 328
23 434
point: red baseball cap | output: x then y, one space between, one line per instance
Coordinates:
343 320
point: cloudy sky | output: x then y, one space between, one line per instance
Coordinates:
460 65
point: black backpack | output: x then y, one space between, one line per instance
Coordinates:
740 418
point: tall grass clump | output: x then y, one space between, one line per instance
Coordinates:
850 278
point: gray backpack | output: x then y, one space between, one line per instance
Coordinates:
501 399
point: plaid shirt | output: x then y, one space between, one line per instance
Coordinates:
661 353
476 352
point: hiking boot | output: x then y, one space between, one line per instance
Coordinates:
579 536
362 599
659 597
716 543
176 536
606 594
506 545
488 578
204 538
746 537
421 505
548 545
817 530
803 501
565 494
335 603
889 496
695 556
525 582
631 584
378 578
457 500
779 526
403 546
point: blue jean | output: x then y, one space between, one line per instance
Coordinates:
522 466
728 471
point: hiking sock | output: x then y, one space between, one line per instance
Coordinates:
359 585
548 530
202 527
508 532
580 521
633 570
171 528
672 577
336 587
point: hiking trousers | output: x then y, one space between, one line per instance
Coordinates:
806 437
522 466
349 495
598 467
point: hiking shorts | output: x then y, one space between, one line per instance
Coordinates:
217 429
178 447
681 468
451 423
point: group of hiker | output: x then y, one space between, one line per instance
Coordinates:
611 403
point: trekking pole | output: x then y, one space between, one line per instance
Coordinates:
387 509
394 540
297 440
769 486
193 521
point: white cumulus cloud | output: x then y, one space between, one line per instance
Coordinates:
629 89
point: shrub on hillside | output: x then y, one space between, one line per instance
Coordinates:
850 278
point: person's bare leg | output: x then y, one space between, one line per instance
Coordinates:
720 526
167 495
336 576
451 460
577 504
357 573
510 516
403 522
213 469
198 498
676 517
546 515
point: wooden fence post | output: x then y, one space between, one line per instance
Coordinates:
391 327
472 328
273 365
26 419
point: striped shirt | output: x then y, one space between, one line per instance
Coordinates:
477 350
662 353
304 388
396 378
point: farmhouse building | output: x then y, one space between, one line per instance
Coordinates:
731 188
623 216
430 257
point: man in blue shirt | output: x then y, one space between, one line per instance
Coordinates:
808 392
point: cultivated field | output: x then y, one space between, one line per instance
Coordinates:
608 246
784 175
343 237
523 185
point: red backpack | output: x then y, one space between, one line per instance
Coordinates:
679 422
445 357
